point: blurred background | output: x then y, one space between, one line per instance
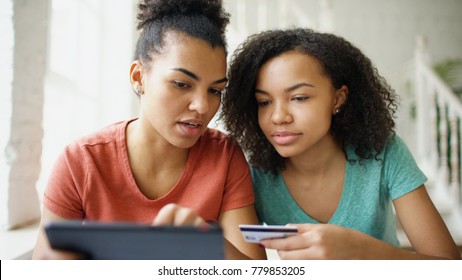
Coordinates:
65 73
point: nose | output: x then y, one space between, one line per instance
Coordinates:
200 103
281 114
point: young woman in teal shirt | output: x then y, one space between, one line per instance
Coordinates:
316 122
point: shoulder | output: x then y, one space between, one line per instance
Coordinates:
104 135
258 172
103 139
396 148
262 178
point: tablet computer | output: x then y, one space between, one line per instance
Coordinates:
109 241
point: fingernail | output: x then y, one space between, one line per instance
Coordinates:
204 227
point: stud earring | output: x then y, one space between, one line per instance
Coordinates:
336 111
139 92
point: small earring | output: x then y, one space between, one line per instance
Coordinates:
336 111
139 92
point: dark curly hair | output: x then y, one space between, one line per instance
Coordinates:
365 120
201 19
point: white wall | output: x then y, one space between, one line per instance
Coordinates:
64 73
384 30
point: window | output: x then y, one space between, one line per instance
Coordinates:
83 82
87 85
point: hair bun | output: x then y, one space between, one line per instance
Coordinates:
153 10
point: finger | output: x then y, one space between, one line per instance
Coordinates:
289 243
199 222
185 216
166 215
303 227
299 254
173 214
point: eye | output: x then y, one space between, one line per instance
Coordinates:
215 91
179 84
263 103
300 98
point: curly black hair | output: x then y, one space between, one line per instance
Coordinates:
365 121
201 19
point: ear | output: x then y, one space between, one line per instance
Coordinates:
341 96
136 75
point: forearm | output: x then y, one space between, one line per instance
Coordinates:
374 249
43 251
232 253
41 246
236 247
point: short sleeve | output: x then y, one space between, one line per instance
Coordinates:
400 169
62 195
238 190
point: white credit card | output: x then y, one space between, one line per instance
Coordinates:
256 233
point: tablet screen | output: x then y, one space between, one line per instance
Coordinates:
133 241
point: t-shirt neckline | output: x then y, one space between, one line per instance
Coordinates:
181 183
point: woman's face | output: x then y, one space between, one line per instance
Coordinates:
296 102
182 90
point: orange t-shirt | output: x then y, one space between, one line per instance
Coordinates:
92 180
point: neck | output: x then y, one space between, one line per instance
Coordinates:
318 160
150 151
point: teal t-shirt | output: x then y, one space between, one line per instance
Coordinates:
365 204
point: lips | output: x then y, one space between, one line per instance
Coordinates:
191 128
285 137
191 125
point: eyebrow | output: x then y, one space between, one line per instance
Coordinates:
289 89
197 78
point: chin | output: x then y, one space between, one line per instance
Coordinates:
285 153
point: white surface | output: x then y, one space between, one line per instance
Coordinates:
18 243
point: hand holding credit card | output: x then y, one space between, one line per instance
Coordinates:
256 233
